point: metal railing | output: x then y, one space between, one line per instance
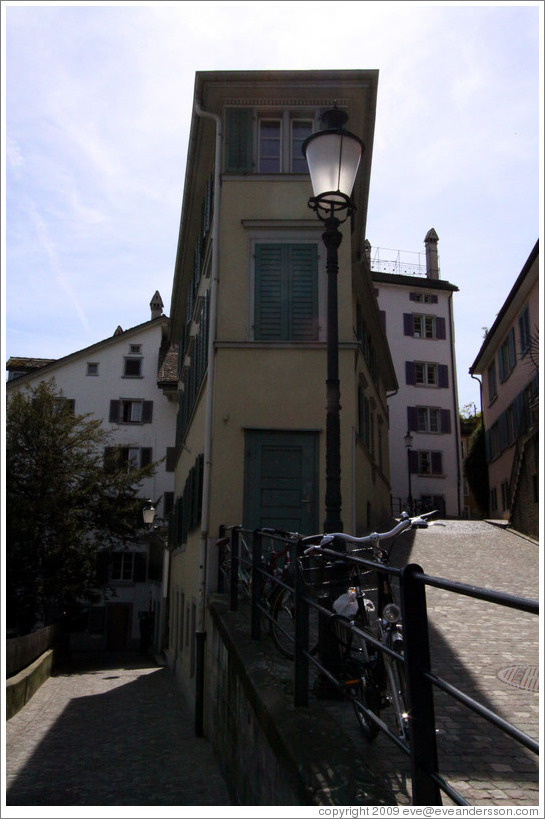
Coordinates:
427 782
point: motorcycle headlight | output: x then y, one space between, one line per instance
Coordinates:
392 613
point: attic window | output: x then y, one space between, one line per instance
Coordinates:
92 368
135 349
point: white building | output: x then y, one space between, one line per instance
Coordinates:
129 381
417 310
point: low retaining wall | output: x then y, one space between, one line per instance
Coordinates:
22 686
271 752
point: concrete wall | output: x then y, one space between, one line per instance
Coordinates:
271 752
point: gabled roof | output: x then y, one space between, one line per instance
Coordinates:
50 365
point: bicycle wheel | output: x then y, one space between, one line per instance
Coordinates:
283 623
362 692
396 692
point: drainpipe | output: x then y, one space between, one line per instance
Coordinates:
200 634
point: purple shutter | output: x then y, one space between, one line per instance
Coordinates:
412 419
382 314
436 463
147 412
413 462
443 375
408 324
434 300
440 328
445 421
114 411
410 372
412 296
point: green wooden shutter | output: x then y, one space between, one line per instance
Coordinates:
268 318
303 290
286 292
238 140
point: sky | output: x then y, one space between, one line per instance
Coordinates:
96 111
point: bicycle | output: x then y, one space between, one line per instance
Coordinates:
277 599
368 631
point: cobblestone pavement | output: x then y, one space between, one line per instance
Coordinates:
110 732
474 645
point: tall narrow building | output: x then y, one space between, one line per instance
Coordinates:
425 452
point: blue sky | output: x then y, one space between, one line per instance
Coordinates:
97 107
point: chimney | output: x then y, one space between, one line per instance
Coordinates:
156 305
432 258
367 251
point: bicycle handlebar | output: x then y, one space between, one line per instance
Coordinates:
418 522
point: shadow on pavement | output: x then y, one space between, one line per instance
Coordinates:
131 744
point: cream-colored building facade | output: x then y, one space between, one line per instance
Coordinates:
508 365
249 312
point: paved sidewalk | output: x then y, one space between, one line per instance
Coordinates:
112 731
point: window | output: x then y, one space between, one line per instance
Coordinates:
424 326
92 368
507 356
135 349
300 130
132 368
127 457
365 419
429 462
131 411
286 292
524 331
123 566
270 145
266 141
428 419
492 384
425 298
426 374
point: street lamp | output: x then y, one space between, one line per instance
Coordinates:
148 513
333 157
409 445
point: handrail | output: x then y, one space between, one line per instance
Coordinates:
427 783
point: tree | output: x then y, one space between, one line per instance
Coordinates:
63 507
476 468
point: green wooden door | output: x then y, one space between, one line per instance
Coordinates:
281 480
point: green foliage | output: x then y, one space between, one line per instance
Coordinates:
476 468
62 506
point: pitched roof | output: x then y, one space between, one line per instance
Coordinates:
49 364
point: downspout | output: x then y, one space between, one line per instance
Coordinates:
456 409
200 634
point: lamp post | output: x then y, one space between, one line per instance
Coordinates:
333 156
409 445
148 513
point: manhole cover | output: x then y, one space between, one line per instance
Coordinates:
521 676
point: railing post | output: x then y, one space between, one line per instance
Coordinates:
235 537
257 583
301 637
419 689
